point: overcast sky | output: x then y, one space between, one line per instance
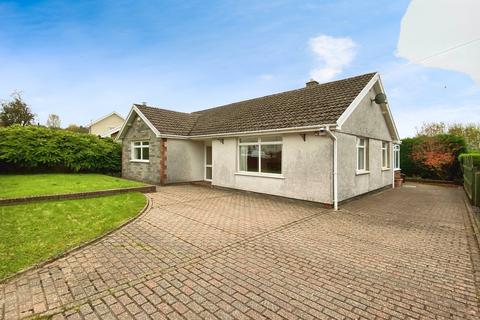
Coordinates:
84 59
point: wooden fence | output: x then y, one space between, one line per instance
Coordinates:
471 180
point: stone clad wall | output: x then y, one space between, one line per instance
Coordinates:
142 171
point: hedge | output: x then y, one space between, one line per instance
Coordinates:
474 155
432 157
40 149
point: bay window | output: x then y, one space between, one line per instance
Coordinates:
260 155
362 154
140 151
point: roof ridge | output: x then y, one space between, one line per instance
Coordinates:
163 109
92 122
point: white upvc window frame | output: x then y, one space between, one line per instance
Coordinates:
259 142
396 157
385 155
365 155
141 144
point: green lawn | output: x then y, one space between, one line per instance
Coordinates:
12 186
30 233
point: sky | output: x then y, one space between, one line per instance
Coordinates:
84 59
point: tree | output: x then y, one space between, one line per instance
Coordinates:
53 121
471 133
16 111
75 128
432 129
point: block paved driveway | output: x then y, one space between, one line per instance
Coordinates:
207 253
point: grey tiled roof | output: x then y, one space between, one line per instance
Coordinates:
313 105
168 121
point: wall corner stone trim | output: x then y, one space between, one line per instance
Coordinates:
163 161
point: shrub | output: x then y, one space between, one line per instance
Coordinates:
409 167
40 149
433 157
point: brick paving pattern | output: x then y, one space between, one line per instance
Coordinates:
203 253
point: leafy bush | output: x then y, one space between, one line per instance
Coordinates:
432 157
40 149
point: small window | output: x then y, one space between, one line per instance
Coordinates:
385 155
260 155
396 157
141 151
362 154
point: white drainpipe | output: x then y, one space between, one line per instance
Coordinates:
392 161
335 168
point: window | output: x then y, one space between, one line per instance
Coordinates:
362 154
260 155
140 151
208 163
385 155
396 156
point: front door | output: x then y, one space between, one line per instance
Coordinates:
208 163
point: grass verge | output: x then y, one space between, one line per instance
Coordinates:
22 185
31 233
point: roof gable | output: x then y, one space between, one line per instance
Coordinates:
112 114
374 84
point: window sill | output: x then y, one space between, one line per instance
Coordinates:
397 169
385 169
359 173
260 175
141 161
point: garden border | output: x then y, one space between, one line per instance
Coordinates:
77 195
40 264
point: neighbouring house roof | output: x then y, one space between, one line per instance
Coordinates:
109 133
105 117
313 105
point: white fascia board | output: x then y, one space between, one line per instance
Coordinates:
356 102
265 132
389 112
135 110
124 125
220 135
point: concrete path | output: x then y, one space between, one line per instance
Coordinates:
207 253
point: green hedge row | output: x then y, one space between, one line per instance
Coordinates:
474 155
432 157
40 149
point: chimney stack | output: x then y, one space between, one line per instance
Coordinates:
312 83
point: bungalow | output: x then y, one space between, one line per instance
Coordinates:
324 142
